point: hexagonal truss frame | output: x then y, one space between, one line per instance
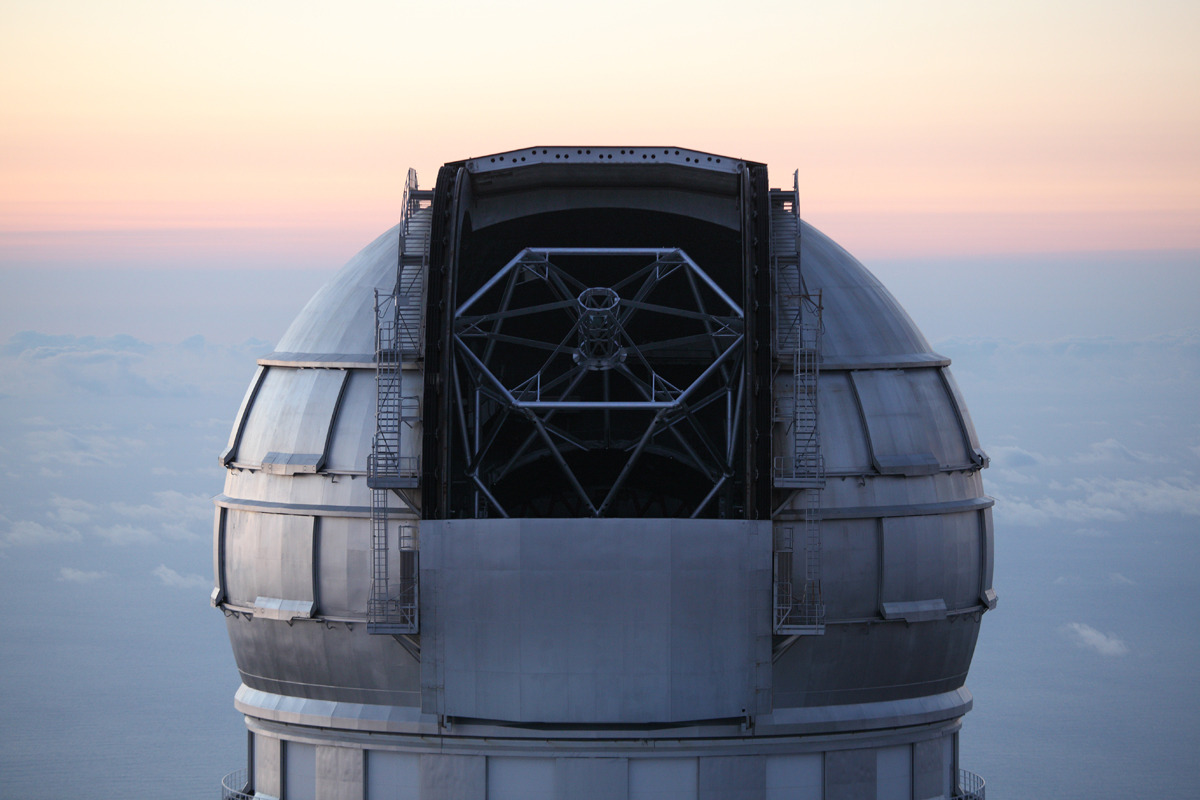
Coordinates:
598 340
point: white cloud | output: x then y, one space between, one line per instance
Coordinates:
107 367
37 365
1106 644
141 511
170 577
1016 457
1110 451
70 512
29 533
173 516
1012 476
1091 500
181 532
72 575
123 534
1045 510
169 505
1113 579
61 446
1162 496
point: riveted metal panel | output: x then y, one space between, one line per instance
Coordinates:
595 620
843 438
268 555
515 778
914 429
944 425
850 568
879 663
932 558
340 773
930 770
890 674
732 778
291 416
987 550
893 773
862 319
439 290
299 771
662 778
593 778
268 766
350 442
449 777
239 422
218 593
336 662
796 777
393 776
340 316
850 775
757 302
960 404
344 560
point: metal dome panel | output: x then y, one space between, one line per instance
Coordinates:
830 606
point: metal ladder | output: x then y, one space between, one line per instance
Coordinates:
399 335
410 269
798 329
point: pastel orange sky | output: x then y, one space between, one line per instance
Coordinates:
264 132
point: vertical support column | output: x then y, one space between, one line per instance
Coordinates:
930 772
731 777
851 774
340 773
218 593
438 296
267 777
250 762
445 777
596 778
757 302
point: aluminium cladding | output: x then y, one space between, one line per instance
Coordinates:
565 621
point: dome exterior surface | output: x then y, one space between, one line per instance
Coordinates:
784 606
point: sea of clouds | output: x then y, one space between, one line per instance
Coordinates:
109 445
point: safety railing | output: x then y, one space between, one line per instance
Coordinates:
234 786
970 786
384 464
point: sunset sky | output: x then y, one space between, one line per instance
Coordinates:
238 133
177 178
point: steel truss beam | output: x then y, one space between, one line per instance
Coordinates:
598 332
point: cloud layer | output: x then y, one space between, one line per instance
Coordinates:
72 575
175 580
1087 637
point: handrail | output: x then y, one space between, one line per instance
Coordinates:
970 786
237 778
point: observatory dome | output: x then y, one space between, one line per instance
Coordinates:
603 474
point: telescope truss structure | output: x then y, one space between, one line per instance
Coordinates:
548 364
